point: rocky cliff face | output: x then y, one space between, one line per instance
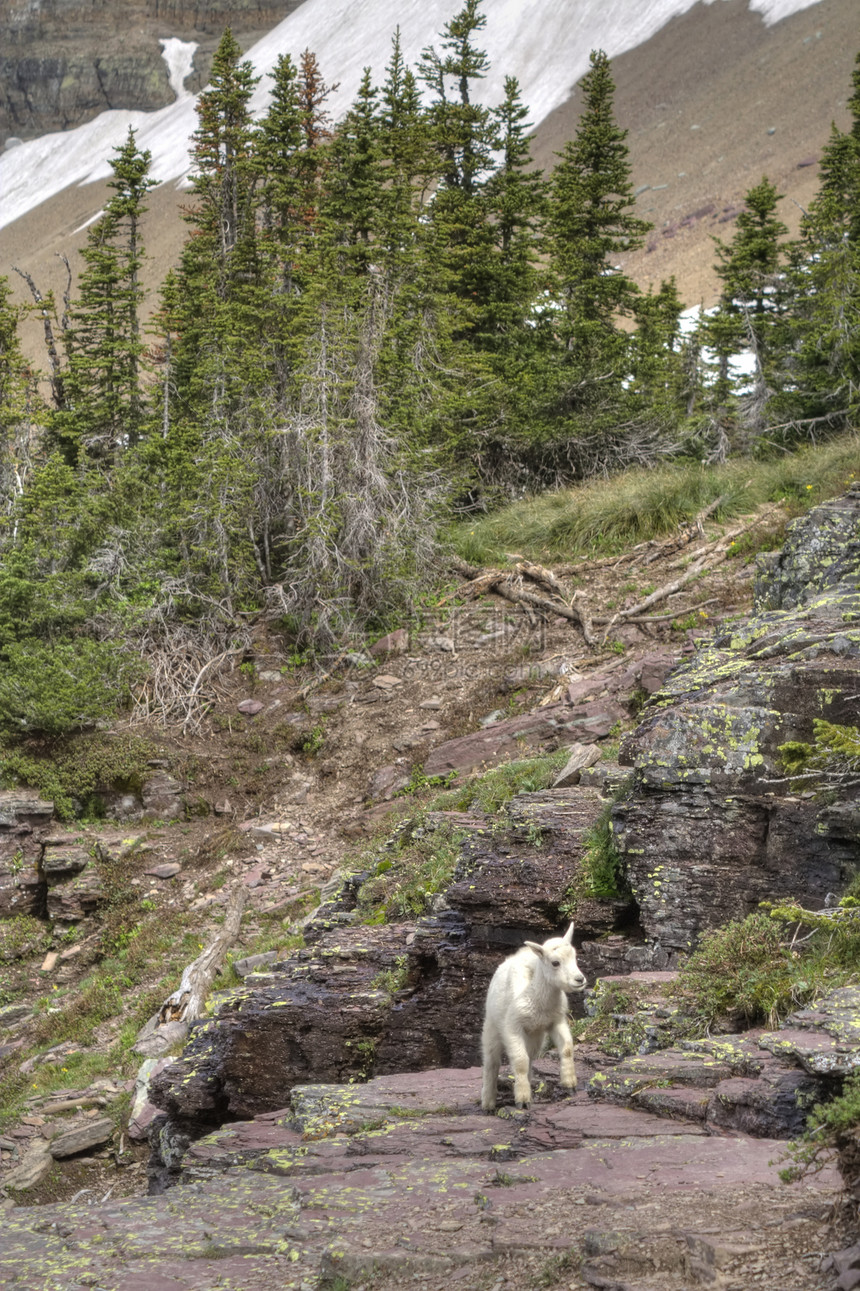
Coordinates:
712 826
64 61
708 827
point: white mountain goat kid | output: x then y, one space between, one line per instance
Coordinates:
527 1001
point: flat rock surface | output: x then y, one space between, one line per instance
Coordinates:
404 1178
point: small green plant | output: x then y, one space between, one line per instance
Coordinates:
249 672
490 791
601 872
685 624
746 972
556 1268
392 980
831 1128
832 758
419 782
313 740
417 864
23 935
364 1050
72 773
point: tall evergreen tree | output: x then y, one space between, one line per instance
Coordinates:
591 221
354 179
463 134
224 176
103 339
515 196
825 277
405 147
462 129
221 340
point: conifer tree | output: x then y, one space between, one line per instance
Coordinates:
221 341
224 177
591 221
748 268
280 139
103 339
749 317
463 134
354 178
405 147
515 196
462 129
825 278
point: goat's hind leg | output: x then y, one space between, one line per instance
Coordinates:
491 1052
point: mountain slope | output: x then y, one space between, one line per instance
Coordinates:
701 87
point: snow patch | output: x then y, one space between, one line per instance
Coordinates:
179 57
86 224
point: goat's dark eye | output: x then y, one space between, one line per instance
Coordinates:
555 963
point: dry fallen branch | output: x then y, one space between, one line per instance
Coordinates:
170 1024
662 618
510 585
712 555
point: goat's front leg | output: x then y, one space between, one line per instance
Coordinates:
520 1060
563 1041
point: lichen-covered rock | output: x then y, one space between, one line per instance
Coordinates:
825 1037
711 826
822 554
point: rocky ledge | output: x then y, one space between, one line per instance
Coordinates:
403 1179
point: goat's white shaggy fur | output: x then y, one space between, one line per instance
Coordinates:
526 1001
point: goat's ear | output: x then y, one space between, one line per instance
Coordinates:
536 947
568 936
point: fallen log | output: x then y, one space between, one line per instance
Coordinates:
169 1026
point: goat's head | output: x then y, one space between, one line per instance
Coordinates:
558 962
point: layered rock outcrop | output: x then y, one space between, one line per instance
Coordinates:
64 61
365 1000
712 825
707 824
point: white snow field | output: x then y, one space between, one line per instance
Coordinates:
545 43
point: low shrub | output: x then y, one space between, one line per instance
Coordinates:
54 688
69 772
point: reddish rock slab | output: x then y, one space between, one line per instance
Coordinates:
393 643
596 1121
446 1202
557 723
